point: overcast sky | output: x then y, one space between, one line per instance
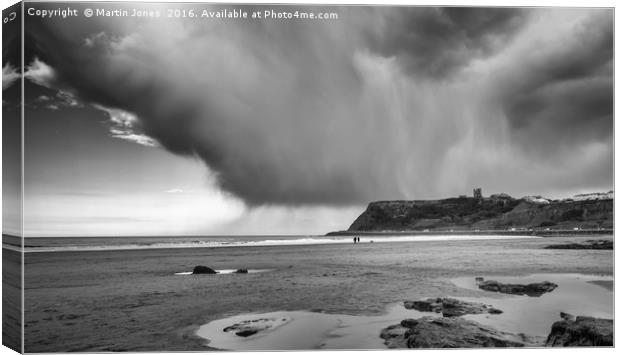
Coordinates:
162 126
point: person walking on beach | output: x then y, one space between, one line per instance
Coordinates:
354 240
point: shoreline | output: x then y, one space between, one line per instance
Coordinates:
292 241
523 232
343 238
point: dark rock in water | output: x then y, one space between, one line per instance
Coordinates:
532 290
590 244
430 332
450 307
246 333
241 271
244 329
250 327
583 331
200 269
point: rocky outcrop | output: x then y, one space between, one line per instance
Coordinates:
532 290
430 332
582 331
450 307
253 326
496 212
590 244
241 271
200 269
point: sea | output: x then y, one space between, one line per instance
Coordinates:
59 244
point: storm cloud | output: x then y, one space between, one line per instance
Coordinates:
561 96
437 42
383 103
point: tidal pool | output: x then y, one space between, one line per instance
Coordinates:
577 294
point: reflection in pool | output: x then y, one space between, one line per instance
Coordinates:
576 294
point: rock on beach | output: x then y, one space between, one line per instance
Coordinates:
590 244
450 307
200 269
532 290
444 332
581 331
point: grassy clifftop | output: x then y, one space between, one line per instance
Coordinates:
495 212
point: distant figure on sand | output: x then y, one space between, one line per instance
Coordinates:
356 240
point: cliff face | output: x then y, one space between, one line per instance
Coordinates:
496 212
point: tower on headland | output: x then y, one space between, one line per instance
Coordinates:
478 193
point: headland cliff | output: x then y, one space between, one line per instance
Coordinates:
499 212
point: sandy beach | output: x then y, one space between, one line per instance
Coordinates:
11 298
132 300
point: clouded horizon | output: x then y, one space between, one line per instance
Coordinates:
165 126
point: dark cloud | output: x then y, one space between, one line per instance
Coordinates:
437 42
562 94
247 122
302 112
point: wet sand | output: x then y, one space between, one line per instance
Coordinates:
606 284
132 300
11 299
532 316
